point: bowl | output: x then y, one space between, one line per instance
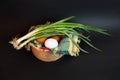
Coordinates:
46 56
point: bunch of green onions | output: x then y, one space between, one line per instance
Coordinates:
58 28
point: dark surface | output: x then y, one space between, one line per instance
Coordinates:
16 17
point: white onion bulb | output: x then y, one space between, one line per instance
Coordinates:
51 43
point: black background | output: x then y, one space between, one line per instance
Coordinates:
16 17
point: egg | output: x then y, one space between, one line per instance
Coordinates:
56 37
51 43
41 40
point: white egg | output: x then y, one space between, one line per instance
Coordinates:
51 43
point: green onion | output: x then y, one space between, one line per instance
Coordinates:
58 28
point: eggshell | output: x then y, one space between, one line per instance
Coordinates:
41 40
51 43
56 37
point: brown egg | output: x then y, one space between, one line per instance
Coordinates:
56 37
41 40
45 56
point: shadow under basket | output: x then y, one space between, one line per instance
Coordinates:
45 56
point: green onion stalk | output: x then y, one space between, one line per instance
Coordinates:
61 27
